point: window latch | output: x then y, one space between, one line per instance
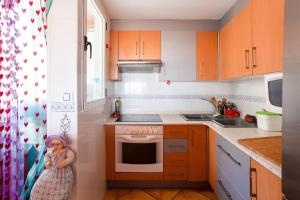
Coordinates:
86 44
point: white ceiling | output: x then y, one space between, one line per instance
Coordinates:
167 9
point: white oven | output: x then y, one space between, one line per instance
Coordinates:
139 148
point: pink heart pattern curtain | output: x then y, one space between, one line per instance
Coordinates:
23 69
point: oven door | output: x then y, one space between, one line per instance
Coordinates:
139 153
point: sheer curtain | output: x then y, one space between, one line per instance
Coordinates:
23 68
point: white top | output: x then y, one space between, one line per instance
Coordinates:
230 134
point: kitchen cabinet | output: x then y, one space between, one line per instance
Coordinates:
268 35
150 45
114 55
207 55
139 45
178 54
197 153
129 45
175 152
251 43
264 184
110 151
233 171
235 46
212 159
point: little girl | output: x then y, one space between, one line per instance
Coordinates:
55 183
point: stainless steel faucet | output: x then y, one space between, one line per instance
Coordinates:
217 112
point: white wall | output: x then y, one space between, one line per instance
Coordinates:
62 60
91 137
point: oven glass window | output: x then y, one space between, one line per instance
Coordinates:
141 153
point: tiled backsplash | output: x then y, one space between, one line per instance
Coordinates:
144 93
249 95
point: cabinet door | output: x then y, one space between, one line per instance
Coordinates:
178 52
197 154
129 45
235 45
114 55
227 52
212 159
207 55
265 184
149 45
268 31
243 35
110 151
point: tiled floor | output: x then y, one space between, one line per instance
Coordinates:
158 194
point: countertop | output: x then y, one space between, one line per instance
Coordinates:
230 134
268 147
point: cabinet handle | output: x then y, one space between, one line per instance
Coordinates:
224 189
252 194
201 71
229 155
193 138
176 161
176 132
143 48
247 59
254 57
136 48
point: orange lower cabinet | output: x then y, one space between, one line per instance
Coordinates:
175 173
197 153
110 151
212 159
264 184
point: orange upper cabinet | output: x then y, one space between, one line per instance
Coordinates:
139 45
129 48
150 45
252 42
268 35
207 55
114 55
235 46
243 42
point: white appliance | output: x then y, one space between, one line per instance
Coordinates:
273 90
139 148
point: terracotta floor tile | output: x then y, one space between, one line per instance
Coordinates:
114 194
208 194
162 194
190 195
137 195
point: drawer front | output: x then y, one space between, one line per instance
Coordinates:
175 159
225 190
175 173
175 145
175 131
235 164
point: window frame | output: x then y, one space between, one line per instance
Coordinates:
97 103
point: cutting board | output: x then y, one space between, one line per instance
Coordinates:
269 148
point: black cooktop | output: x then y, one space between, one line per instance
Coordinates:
140 118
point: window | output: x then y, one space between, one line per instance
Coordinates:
95 27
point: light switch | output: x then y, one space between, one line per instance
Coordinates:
67 96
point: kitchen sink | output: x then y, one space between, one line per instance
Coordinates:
233 123
198 117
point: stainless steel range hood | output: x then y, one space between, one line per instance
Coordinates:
139 66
